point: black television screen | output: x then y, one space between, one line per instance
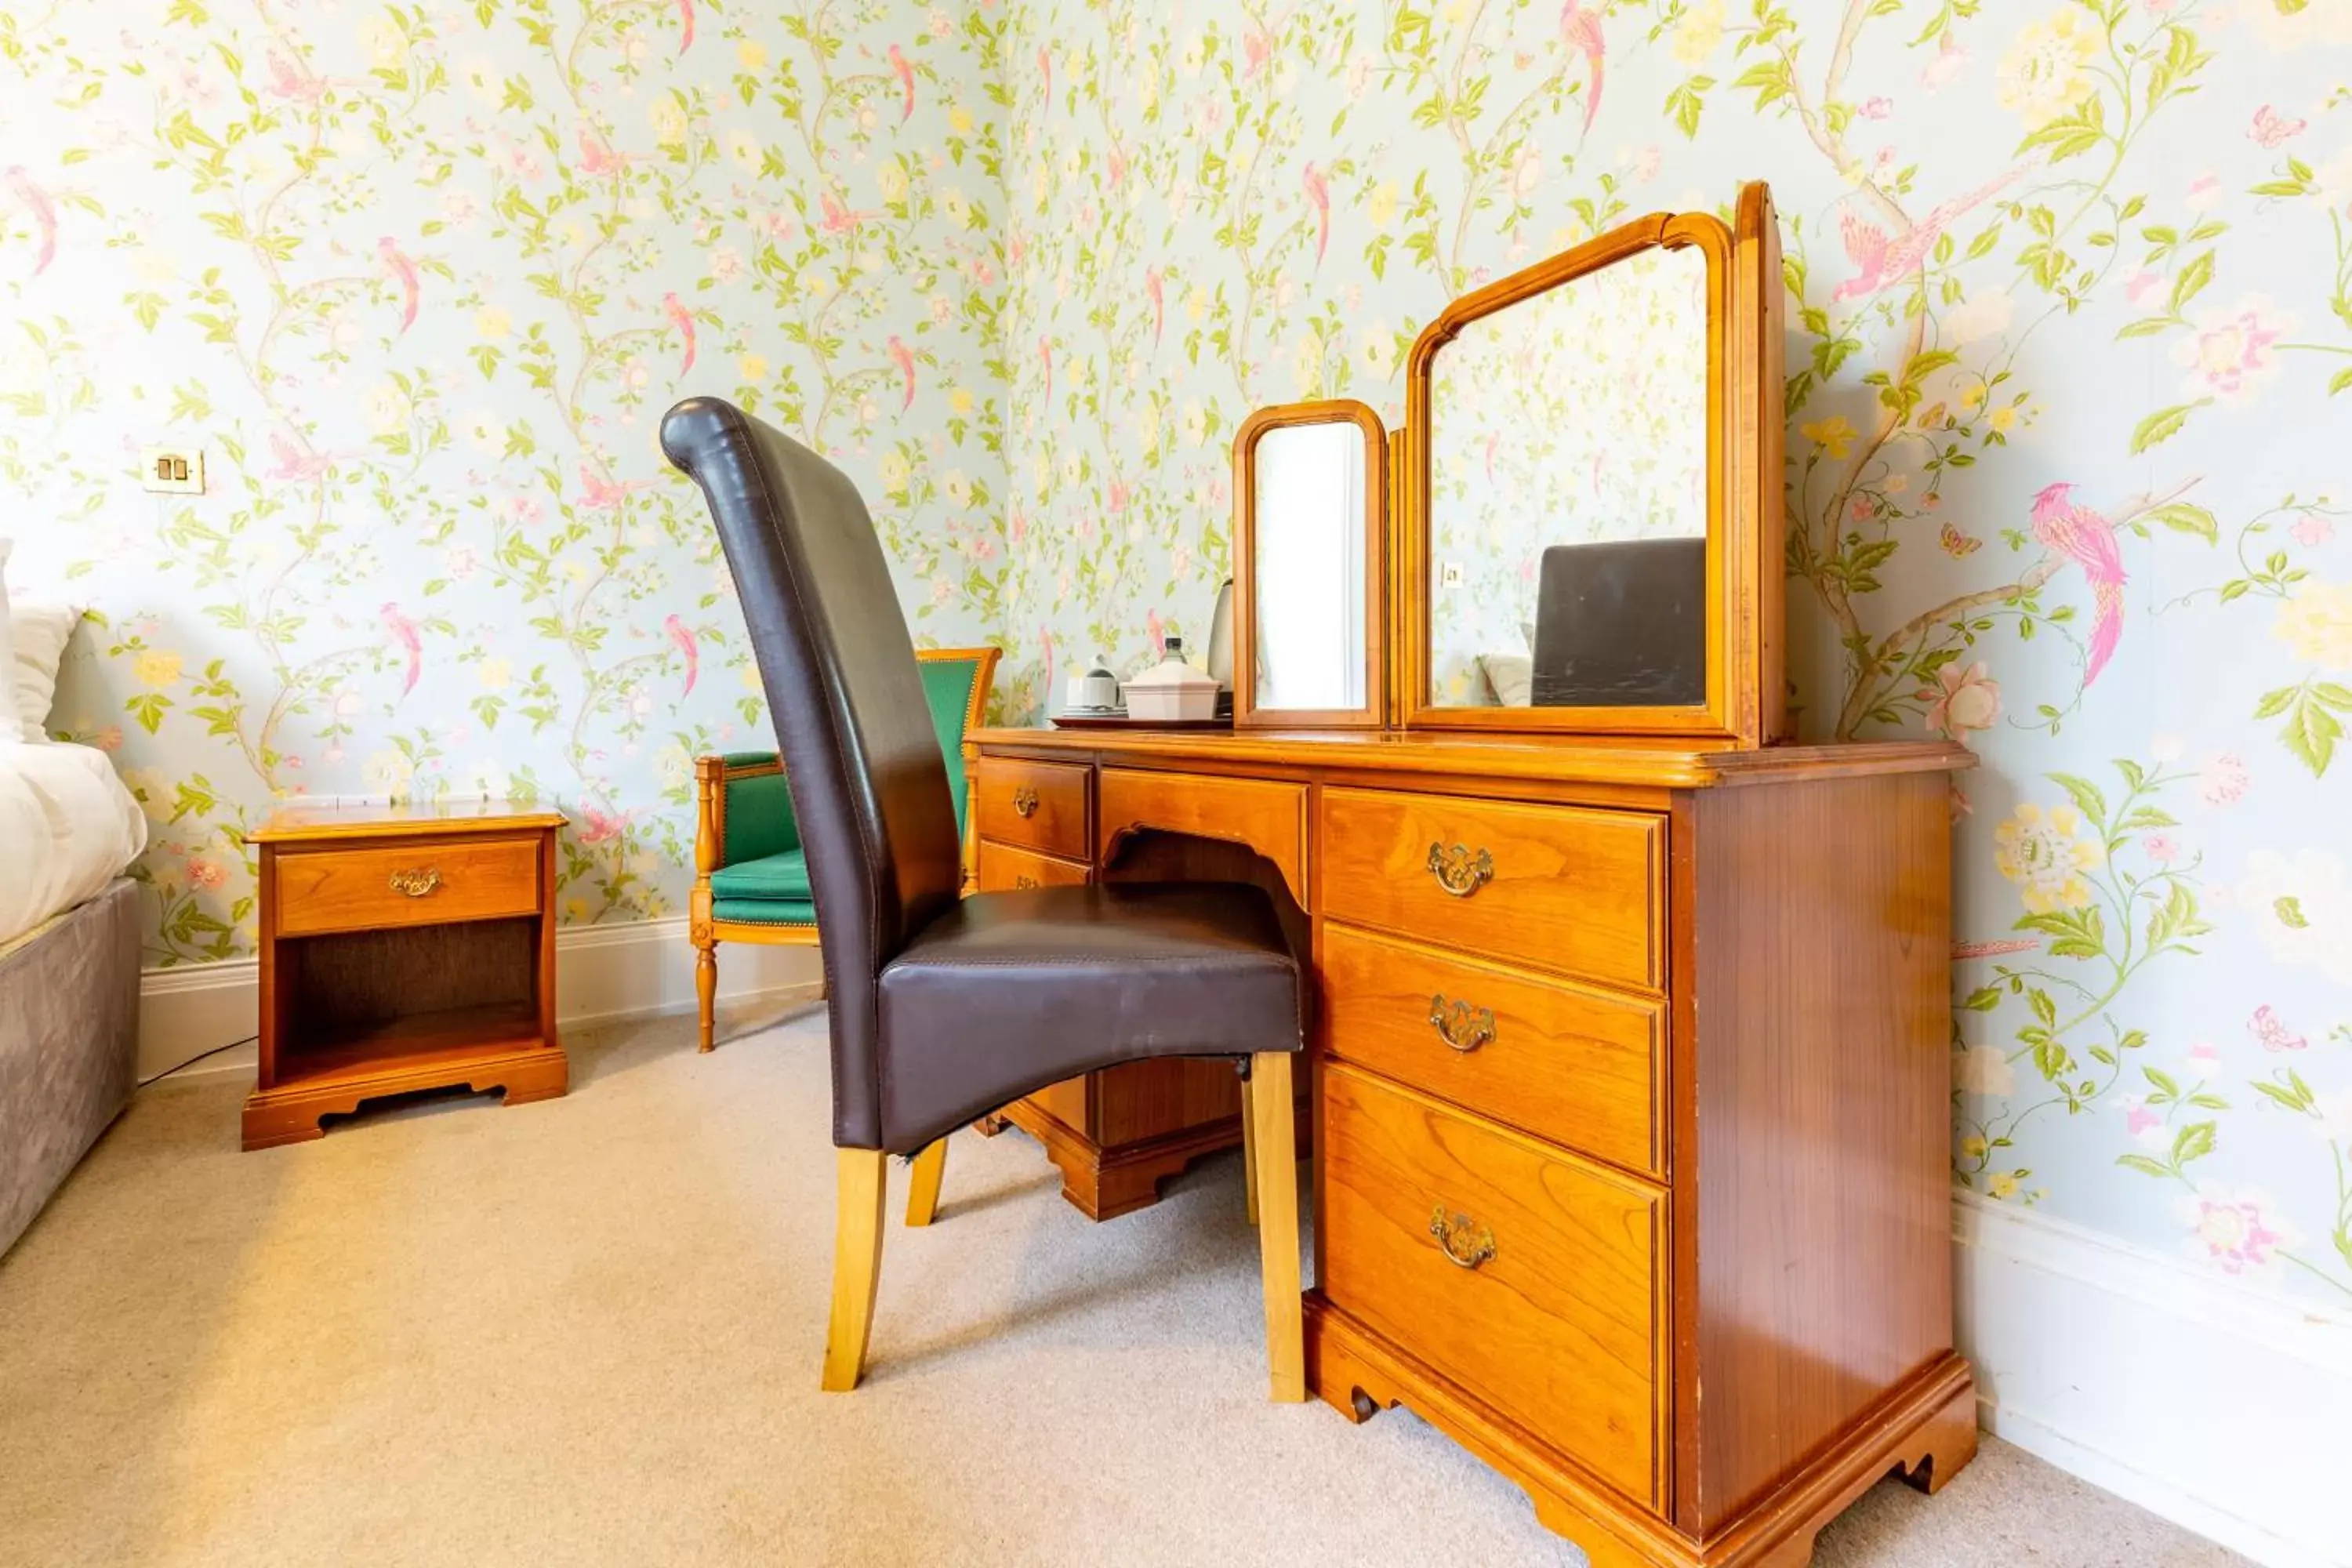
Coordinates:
1622 624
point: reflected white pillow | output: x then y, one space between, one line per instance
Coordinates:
10 726
39 633
1511 675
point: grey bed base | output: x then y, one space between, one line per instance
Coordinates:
68 1048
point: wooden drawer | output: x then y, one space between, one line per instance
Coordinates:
1035 805
362 890
1269 815
1001 866
1556 886
1540 1297
1575 1066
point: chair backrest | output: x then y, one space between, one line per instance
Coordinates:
869 784
956 682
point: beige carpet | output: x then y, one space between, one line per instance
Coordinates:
587 1331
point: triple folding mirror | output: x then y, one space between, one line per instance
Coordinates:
1586 525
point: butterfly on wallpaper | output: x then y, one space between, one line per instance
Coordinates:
2270 130
1958 544
2266 1027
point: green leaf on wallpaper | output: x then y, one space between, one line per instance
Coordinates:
2194 1142
2312 731
2144 1165
2086 793
2289 910
2164 425
2191 280
2274 703
2181 516
2342 379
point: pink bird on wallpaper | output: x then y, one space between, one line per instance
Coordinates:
2088 540
904 358
1152 285
1045 70
1045 358
685 645
35 202
683 319
1884 262
686 15
403 272
1157 630
906 75
404 631
601 494
597 158
1493 441
290 78
1045 646
1581 29
294 462
1319 194
839 219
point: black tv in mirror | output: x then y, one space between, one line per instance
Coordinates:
1622 624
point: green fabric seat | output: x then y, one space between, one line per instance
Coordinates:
763 879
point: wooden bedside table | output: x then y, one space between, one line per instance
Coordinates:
403 948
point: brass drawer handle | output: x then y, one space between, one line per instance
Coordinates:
1460 1024
1465 1243
1459 871
417 884
1023 880
1024 801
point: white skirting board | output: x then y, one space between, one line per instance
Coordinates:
603 972
2221 1406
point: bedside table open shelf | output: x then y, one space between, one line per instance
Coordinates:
403 948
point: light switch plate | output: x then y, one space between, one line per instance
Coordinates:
1450 574
172 470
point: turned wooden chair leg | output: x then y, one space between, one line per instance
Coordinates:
930 1168
1272 1113
706 991
1249 1155
857 1262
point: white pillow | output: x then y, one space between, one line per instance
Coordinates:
10 726
1510 675
40 633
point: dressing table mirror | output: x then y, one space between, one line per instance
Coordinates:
1592 488
1310 551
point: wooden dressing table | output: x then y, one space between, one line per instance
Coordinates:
1628 1050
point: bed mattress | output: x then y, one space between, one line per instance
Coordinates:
67 828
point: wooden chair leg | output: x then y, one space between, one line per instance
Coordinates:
1274 1114
706 990
857 1262
1249 1155
930 1168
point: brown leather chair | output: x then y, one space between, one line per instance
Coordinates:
945 1009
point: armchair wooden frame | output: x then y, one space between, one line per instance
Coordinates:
712 775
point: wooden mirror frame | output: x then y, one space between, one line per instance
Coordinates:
1746 697
1283 415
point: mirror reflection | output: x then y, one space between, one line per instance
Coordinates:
1309 568
1568 494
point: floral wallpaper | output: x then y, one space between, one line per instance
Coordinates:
422 280
2071 369
1575 417
2070 381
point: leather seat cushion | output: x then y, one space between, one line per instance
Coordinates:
1009 992
784 876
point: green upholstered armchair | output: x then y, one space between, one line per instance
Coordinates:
750 878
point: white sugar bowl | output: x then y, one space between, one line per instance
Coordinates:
1171 691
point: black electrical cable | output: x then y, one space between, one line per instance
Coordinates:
194 1060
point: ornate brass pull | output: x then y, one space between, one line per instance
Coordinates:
417 884
1022 880
1460 1024
1465 1243
1024 801
1458 870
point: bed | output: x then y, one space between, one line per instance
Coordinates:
69 965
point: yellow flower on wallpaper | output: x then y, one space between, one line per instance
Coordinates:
2043 75
960 402
667 116
960 120
2317 624
1701 30
495 673
1832 435
156 669
753 368
896 474
2045 854
492 323
1383 208
751 55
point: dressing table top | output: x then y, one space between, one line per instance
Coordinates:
1656 762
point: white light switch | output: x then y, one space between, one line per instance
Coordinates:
1450 575
174 471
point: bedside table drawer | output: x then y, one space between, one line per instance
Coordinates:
423 883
